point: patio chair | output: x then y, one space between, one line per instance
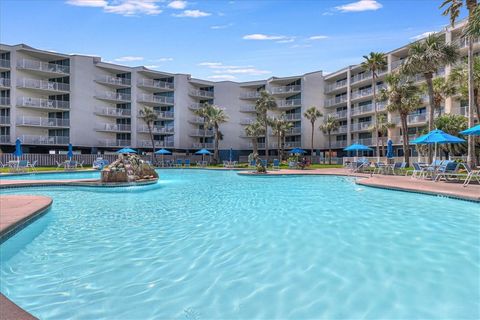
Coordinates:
417 172
379 167
471 174
276 164
187 162
80 164
2 165
59 165
32 165
360 166
22 165
432 168
252 164
235 164
264 163
399 167
448 171
179 163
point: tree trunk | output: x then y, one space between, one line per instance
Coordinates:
266 137
329 148
406 150
278 147
205 133
311 150
374 88
283 145
431 113
476 94
215 152
153 141
383 146
255 145
471 101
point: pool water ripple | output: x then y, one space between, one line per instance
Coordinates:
215 245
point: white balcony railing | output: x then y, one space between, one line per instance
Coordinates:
39 103
293 116
361 126
336 85
150 83
368 108
248 108
366 75
289 103
286 89
42 66
201 93
116 81
113 127
365 92
4 63
115 96
42 122
5 82
365 141
201 133
156 129
150 98
43 85
247 121
4 120
157 143
44 140
294 131
338 114
341 129
113 112
114 143
250 95
4 101
199 145
340 144
399 139
397 63
336 100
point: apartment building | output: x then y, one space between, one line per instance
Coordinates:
49 100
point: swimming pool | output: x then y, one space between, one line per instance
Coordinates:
216 245
53 176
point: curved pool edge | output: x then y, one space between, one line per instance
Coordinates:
4 184
11 311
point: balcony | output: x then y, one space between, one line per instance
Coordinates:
248 109
368 108
113 127
44 140
250 95
201 133
340 144
286 89
4 64
292 144
4 101
463 42
464 111
416 118
362 126
195 106
335 101
157 143
113 112
4 138
43 67
4 121
365 141
396 64
198 145
294 131
156 130
151 99
249 146
201 94
288 104
366 76
43 104
4 83
336 86
155 84
42 122
293 116
399 139
114 143
365 92
247 121
114 81
338 114
197 120
43 85
341 129
166 115
114 96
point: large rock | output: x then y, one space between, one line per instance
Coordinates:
128 168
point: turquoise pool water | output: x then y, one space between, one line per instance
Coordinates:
215 245
53 176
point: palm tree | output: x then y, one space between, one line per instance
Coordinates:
149 116
312 114
203 113
452 124
382 128
459 77
426 57
280 127
442 89
216 116
262 105
330 124
403 97
375 62
452 9
254 131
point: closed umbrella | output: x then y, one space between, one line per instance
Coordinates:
435 137
389 149
70 152
473 131
18 149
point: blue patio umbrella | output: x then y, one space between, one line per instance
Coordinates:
389 149
203 152
126 150
297 151
18 149
163 152
70 151
231 154
473 131
435 137
357 147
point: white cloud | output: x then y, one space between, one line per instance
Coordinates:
122 7
128 59
192 14
423 35
224 26
317 37
177 4
358 6
162 59
259 36
288 40
221 77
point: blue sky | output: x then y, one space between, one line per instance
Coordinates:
221 40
